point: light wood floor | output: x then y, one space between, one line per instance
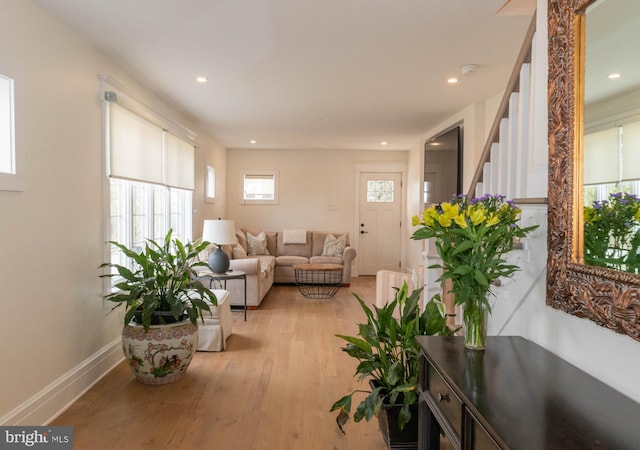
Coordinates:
272 387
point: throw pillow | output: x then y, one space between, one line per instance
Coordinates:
257 245
334 246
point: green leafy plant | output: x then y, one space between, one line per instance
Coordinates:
162 280
471 236
612 233
388 352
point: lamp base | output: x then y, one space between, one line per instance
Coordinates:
218 261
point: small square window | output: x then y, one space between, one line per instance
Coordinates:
260 187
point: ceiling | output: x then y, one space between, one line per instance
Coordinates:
331 74
612 34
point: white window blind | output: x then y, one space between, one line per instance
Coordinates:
136 147
602 151
143 151
180 163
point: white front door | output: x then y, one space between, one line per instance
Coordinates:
380 222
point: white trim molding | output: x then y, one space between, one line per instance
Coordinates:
55 398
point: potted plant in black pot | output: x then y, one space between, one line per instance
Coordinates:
163 301
388 356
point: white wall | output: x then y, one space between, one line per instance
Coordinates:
57 338
317 187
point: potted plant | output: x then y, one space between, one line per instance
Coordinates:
163 301
388 356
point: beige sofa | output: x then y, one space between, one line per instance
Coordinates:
272 259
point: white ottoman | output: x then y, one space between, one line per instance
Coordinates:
213 333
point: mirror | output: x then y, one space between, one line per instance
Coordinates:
611 147
442 166
610 298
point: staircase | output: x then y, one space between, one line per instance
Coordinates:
504 164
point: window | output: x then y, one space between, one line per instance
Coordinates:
151 179
210 185
7 149
380 191
260 187
10 178
141 211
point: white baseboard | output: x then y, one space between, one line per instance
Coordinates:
50 402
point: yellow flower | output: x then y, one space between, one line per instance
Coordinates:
415 221
477 215
493 220
444 220
449 212
428 216
637 215
461 220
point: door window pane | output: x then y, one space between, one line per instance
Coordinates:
380 191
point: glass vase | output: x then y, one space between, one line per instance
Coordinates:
475 316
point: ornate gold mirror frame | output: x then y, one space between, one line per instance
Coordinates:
607 297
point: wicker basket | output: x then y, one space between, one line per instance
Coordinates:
318 280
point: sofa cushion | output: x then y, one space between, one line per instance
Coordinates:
287 261
334 246
283 249
326 260
239 252
242 239
257 245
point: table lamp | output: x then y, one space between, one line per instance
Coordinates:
219 232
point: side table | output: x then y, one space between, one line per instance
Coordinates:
230 275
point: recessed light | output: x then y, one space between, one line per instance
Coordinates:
202 79
452 80
383 143
613 76
252 141
435 143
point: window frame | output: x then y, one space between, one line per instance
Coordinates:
14 180
210 184
275 174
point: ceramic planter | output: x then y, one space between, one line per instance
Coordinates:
161 354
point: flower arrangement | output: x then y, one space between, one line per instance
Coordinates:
612 233
471 236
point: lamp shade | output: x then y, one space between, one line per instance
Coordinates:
219 232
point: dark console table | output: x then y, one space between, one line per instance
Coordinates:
517 395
